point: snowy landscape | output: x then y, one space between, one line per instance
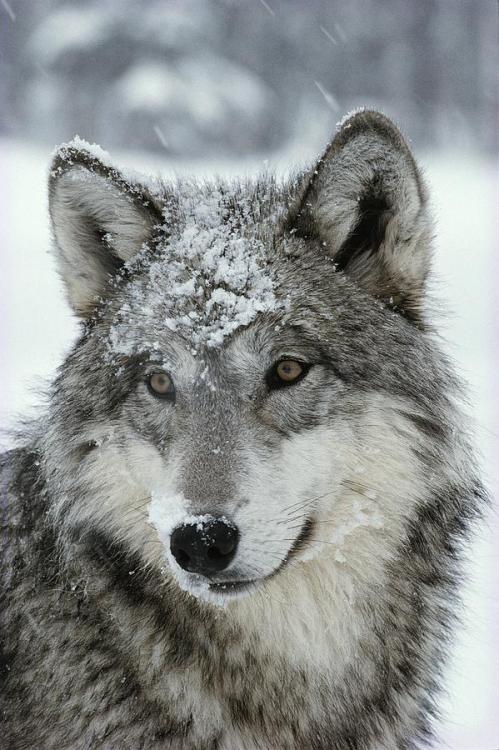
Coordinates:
178 88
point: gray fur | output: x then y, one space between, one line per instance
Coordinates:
354 490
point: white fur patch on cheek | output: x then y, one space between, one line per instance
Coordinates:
382 485
128 475
316 466
312 462
282 493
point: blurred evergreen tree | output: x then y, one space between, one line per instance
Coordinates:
206 77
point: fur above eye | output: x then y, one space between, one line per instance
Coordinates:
286 372
161 385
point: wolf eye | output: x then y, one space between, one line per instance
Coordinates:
286 372
160 384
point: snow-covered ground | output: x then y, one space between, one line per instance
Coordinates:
37 330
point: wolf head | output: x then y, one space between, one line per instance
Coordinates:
254 391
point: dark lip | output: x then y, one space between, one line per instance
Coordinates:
233 588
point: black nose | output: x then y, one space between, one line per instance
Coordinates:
205 547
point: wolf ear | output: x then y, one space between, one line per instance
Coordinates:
366 203
99 222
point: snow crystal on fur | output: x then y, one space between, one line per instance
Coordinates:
217 279
132 176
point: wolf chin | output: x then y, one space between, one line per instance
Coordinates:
239 525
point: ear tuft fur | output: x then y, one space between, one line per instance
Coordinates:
99 222
365 201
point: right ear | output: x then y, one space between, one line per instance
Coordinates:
99 221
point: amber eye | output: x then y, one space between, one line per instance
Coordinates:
160 384
289 370
286 372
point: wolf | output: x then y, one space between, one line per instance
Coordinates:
239 524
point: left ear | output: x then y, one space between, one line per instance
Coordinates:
366 203
100 221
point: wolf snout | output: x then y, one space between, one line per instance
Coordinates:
205 546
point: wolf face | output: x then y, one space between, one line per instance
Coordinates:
255 390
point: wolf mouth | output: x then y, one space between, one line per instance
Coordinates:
245 585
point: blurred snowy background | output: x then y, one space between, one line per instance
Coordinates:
232 86
198 78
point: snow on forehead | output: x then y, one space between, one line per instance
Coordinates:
212 276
